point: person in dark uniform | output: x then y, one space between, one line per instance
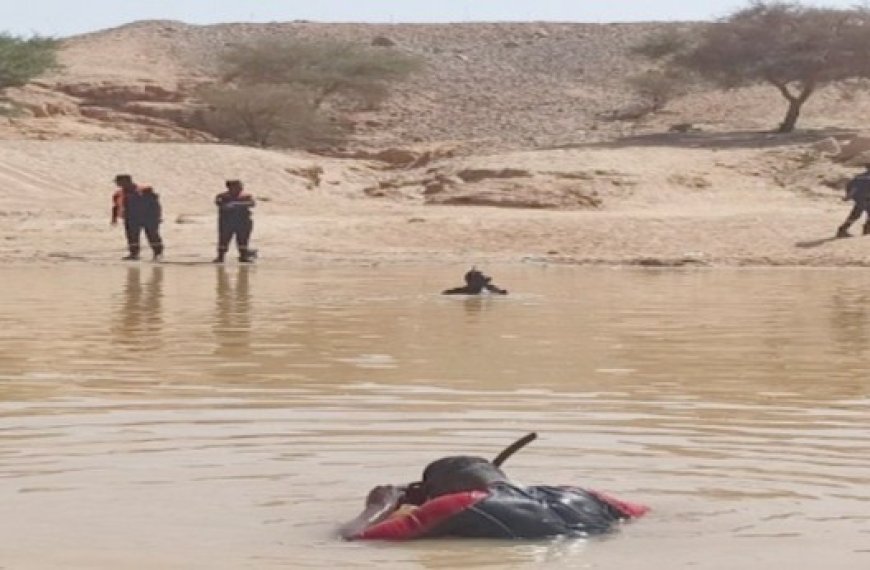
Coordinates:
471 497
475 283
234 219
139 207
858 191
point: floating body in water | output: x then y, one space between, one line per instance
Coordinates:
475 284
471 497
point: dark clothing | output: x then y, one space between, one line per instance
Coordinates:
229 229
139 207
234 220
134 229
475 283
474 290
858 191
503 510
136 203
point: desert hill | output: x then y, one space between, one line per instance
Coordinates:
492 86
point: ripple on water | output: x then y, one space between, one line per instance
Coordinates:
233 418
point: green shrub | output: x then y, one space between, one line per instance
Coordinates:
265 115
23 59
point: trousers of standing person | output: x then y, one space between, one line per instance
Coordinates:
234 221
857 191
139 207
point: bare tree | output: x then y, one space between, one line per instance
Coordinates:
795 48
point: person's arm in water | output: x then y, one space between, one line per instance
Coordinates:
494 289
381 503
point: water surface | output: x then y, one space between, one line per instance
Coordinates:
201 417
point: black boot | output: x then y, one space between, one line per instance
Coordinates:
219 258
133 255
867 229
843 231
247 255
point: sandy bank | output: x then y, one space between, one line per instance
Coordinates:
655 205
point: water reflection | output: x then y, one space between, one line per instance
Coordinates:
849 320
139 325
232 323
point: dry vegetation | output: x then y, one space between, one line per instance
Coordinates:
795 48
491 86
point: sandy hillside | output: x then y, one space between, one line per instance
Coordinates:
492 86
497 152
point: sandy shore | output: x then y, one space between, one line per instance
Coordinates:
658 206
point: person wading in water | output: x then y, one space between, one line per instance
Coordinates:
471 497
475 284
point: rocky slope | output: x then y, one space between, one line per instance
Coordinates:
491 86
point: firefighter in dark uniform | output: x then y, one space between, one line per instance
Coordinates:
234 219
858 191
139 207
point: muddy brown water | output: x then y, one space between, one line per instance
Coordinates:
198 417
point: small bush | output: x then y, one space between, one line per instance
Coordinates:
324 69
23 59
266 115
662 45
656 88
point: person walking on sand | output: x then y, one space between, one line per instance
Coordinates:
857 191
234 219
139 207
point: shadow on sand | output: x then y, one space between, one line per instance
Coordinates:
815 242
718 140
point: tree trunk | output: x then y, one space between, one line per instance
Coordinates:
791 116
795 102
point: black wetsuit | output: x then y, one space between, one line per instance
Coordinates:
139 206
470 497
503 510
234 220
475 284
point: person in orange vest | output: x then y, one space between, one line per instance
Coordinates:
234 220
139 207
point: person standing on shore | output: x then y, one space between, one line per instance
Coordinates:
858 191
234 219
139 207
